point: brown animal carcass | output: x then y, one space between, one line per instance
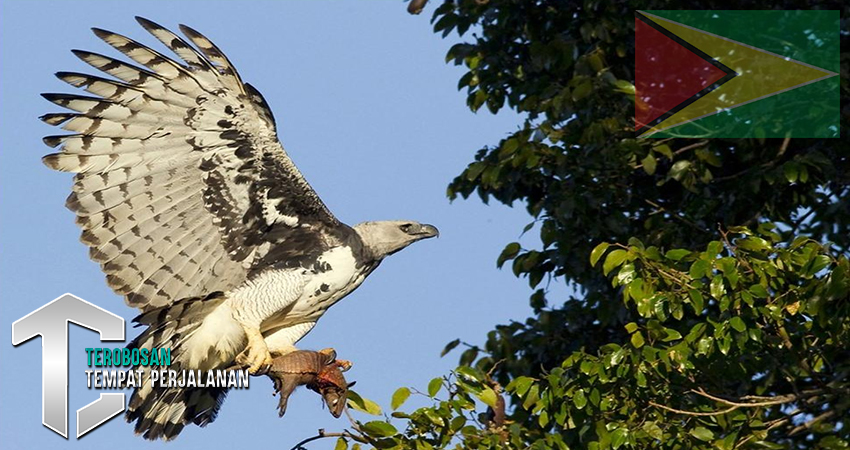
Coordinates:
319 370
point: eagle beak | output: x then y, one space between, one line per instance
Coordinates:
427 231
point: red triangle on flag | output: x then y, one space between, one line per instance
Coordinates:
666 74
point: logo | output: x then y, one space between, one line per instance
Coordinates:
735 74
51 323
109 368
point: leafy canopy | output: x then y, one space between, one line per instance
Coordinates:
710 305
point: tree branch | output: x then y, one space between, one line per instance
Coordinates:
733 405
323 434
812 422
778 400
694 413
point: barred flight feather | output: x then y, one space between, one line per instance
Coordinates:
176 162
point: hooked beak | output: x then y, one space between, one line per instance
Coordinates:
427 231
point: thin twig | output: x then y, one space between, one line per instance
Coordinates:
492 369
694 413
690 147
733 405
323 434
812 422
779 400
775 424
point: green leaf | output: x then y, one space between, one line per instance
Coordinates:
488 396
341 444
631 327
474 170
618 437
457 423
356 402
758 291
614 259
718 289
664 149
724 345
399 397
819 263
379 428
510 252
704 345
509 147
449 347
520 385
532 397
714 248
434 386
696 300
595 396
637 340
582 90
699 269
702 433
434 417
649 164
727 443
597 252
679 168
791 170
579 399
738 324
470 374
753 243
640 378
677 254
672 335
543 418
652 429
625 87
468 356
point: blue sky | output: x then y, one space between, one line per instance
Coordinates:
369 112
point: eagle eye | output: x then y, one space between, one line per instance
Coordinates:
406 227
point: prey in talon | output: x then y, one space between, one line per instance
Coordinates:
320 371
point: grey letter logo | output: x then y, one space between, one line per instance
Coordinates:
51 323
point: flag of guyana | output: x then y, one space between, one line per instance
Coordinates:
736 74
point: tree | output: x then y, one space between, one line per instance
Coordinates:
712 282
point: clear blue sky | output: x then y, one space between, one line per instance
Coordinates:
368 110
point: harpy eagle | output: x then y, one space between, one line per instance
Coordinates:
199 218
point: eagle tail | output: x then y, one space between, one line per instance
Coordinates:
202 335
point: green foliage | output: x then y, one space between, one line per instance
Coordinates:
712 282
766 352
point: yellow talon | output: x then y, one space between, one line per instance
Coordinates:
256 356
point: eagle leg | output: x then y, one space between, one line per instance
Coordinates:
256 356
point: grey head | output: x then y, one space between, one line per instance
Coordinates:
383 238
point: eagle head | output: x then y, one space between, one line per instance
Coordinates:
383 238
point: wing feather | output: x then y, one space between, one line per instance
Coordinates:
180 177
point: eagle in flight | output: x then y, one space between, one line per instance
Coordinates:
199 218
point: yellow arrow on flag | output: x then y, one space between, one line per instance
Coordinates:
761 74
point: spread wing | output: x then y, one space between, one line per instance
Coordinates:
182 186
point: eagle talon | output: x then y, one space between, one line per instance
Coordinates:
256 357
255 362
